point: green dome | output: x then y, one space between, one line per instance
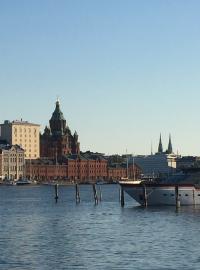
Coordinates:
57 114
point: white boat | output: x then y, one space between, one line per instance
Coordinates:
8 183
183 187
23 182
162 194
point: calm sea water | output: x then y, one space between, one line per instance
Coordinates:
37 233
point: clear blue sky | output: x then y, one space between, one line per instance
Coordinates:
124 70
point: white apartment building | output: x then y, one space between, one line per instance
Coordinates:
11 162
24 134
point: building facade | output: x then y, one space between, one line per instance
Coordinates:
77 168
57 139
23 133
187 162
119 171
72 168
11 162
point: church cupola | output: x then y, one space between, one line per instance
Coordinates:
160 147
57 121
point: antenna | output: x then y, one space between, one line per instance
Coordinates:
133 168
126 164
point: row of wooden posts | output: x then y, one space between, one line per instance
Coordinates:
98 197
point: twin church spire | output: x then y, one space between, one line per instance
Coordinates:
160 147
169 149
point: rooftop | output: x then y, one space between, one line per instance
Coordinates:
19 122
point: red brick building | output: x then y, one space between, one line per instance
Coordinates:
72 168
79 168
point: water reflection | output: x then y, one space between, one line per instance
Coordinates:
37 233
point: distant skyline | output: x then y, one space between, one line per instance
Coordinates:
124 71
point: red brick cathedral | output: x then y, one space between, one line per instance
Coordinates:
57 140
61 159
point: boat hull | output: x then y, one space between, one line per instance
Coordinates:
156 195
23 182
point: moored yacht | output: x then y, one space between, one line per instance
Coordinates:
8 182
23 182
183 187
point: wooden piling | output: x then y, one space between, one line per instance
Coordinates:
95 194
77 194
100 194
144 195
178 203
122 196
56 192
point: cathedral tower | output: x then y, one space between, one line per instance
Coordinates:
57 140
57 121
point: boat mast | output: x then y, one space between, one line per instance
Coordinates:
30 169
126 164
8 165
17 165
133 168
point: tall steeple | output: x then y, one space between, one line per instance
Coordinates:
160 147
169 149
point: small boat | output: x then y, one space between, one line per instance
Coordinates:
8 183
184 188
101 182
23 182
50 183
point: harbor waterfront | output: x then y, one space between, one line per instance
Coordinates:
38 233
